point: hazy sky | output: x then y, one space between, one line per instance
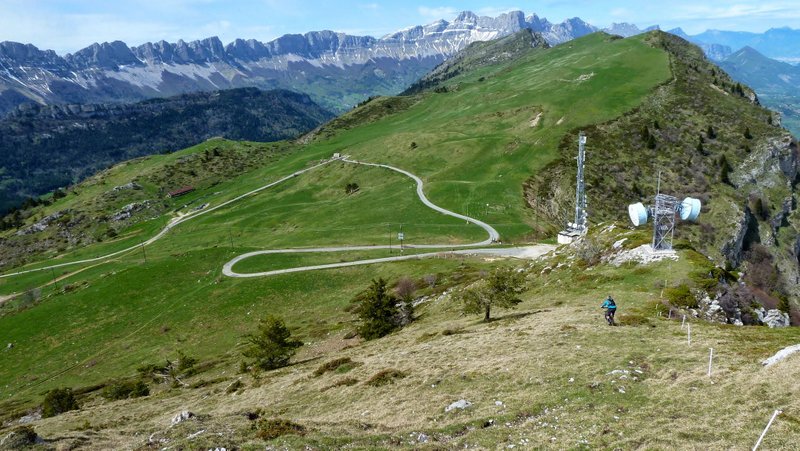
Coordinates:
66 26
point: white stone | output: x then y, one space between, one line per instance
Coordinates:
460 404
782 354
183 416
776 318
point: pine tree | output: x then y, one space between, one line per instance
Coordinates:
711 133
651 142
271 346
747 133
700 147
725 169
377 311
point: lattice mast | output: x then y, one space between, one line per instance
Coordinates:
581 223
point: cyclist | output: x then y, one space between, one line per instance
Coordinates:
611 309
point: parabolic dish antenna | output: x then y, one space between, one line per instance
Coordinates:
690 209
638 213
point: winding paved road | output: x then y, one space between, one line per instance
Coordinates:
227 269
494 236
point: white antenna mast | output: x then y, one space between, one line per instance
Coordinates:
578 228
580 224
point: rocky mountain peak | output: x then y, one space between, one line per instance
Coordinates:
104 56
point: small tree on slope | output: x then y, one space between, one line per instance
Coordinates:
377 311
501 289
271 346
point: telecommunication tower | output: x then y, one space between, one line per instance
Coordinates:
578 228
664 212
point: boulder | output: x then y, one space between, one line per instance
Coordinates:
776 318
181 417
461 404
21 437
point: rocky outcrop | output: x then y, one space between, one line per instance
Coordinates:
129 210
773 317
745 227
43 223
772 163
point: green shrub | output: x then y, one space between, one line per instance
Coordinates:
274 428
58 401
681 296
377 311
334 365
125 390
272 346
632 319
385 377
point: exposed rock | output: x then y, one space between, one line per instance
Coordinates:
21 437
780 355
733 249
776 318
127 186
129 210
43 223
181 417
710 310
30 418
461 404
643 254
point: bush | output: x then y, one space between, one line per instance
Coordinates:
351 188
274 428
385 377
377 310
333 365
681 296
589 252
430 279
125 390
500 289
58 401
633 319
272 346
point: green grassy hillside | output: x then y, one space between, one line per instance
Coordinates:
481 140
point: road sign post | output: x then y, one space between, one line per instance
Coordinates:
400 237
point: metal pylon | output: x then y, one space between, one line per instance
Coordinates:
580 191
664 221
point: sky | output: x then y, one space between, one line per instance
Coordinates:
67 26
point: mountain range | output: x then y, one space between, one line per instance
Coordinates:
337 70
777 83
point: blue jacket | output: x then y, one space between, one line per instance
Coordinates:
609 304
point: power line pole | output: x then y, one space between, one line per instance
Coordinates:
390 238
55 281
144 253
230 235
